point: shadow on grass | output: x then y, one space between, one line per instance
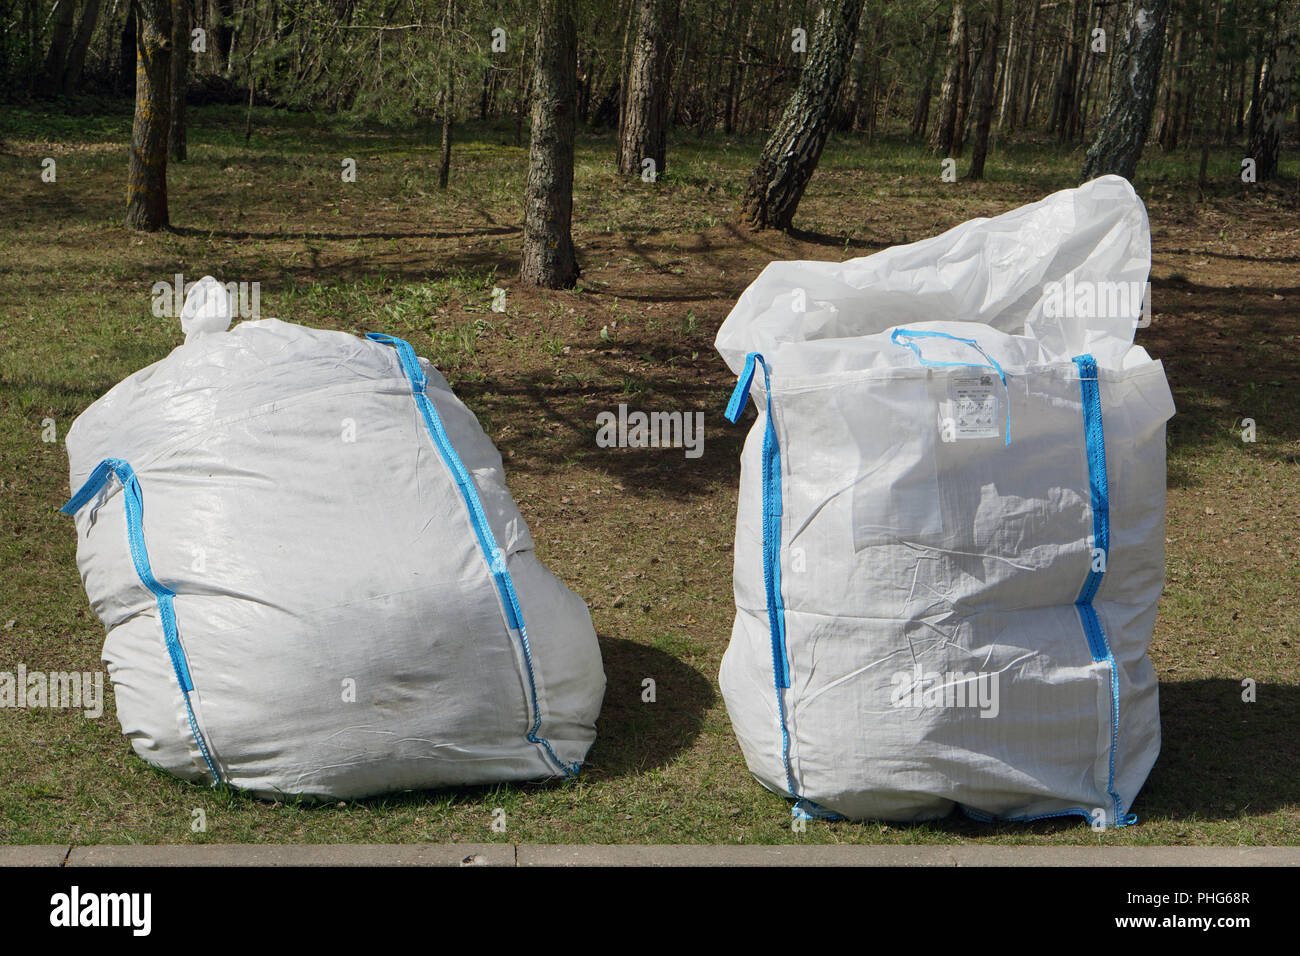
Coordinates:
1229 355
1221 757
244 235
633 735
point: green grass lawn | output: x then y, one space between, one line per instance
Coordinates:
644 535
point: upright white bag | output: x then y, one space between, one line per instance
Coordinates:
313 578
950 532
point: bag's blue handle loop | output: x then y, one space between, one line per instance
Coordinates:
898 335
741 392
406 355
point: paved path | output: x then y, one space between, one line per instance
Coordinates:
507 854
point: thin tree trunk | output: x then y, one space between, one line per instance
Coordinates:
645 130
146 185
1274 96
1009 68
1174 103
548 257
180 70
965 90
1026 91
921 115
629 34
941 139
707 112
741 73
448 100
1122 133
76 61
56 58
223 33
1252 121
984 98
521 93
448 110
790 157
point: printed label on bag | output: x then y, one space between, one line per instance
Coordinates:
974 407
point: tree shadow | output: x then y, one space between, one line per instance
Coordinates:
307 236
844 241
1228 354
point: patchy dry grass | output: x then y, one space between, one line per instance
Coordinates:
644 535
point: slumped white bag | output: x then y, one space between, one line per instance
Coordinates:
950 531
313 578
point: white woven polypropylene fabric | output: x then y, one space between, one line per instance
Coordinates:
339 617
931 571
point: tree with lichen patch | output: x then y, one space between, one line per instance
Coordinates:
1123 131
790 157
146 185
549 259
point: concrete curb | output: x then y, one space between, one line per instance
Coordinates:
324 854
506 854
43 854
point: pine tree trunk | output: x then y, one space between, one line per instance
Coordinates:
1026 91
146 184
984 96
1274 96
921 115
548 257
448 108
1009 69
965 89
1122 133
521 92
1174 104
941 138
1257 64
645 126
180 71
629 34
791 154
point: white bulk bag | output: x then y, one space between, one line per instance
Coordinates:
950 533
313 578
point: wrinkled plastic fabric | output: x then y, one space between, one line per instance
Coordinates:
909 564
340 621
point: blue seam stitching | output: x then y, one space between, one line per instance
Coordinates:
771 547
491 552
133 501
1094 436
